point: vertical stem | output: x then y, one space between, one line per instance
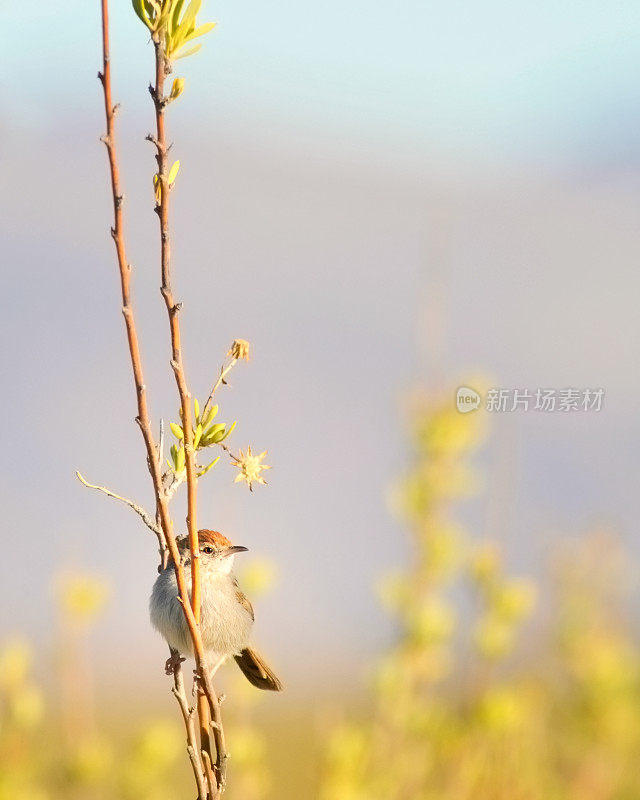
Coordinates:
208 705
166 539
173 309
125 268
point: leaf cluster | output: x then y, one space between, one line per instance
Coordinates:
173 24
205 434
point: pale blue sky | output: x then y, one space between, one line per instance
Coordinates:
498 79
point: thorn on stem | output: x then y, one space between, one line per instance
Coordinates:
115 109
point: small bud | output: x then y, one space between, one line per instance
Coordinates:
177 89
157 188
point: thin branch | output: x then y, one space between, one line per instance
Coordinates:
224 371
145 516
217 731
188 717
163 68
214 790
161 445
125 277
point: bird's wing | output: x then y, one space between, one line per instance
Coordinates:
243 600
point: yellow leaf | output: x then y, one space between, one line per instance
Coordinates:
173 172
176 430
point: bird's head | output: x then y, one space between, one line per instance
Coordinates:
216 551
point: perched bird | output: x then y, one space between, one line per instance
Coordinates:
226 616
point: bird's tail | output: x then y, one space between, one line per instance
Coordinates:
257 671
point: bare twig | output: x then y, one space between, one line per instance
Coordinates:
163 68
217 730
188 717
161 445
125 276
145 516
214 791
224 371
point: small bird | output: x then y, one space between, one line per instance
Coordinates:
226 616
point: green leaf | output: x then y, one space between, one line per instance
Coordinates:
187 23
139 8
176 430
200 31
231 427
197 437
211 413
180 460
176 15
213 431
188 52
207 468
196 408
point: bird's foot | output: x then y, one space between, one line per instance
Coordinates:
172 662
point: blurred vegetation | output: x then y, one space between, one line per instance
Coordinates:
482 704
476 698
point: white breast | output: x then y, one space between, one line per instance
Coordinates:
225 623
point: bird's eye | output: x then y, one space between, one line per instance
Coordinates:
207 549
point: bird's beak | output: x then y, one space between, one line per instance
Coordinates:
230 551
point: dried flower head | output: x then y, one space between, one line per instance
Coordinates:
239 349
250 467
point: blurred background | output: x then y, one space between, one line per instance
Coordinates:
388 201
